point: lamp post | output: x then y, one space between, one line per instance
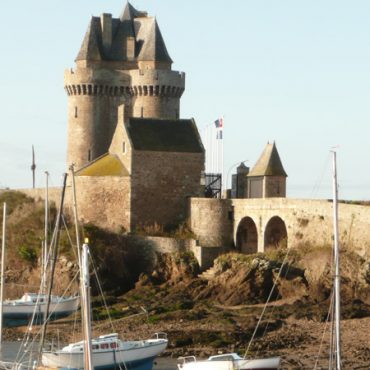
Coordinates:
228 172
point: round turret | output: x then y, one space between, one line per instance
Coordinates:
93 100
156 93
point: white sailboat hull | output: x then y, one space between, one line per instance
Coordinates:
239 364
137 355
20 311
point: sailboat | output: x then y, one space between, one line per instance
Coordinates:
37 307
229 361
106 351
32 306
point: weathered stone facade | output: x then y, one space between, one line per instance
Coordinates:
161 184
272 221
121 61
267 179
130 175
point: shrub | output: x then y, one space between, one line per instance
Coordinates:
28 254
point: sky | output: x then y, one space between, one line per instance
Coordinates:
293 72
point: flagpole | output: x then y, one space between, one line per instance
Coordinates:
209 150
222 157
212 149
217 151
206 146
204 140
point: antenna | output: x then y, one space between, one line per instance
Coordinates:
33 168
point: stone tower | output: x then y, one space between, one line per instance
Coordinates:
121 61
267 179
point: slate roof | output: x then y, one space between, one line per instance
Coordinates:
105 165
154 47
269 163
163 135
90 48
149 43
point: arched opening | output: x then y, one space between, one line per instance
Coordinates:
246 236
276 235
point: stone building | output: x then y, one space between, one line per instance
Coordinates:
137 161
239 184
121 61
267 178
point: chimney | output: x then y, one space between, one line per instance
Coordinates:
106 26
130 48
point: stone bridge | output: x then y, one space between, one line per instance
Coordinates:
254 225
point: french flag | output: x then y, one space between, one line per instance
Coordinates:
219 123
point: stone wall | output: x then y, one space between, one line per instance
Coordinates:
274 186
157 93
161 184
93 98
104 201
306 221
54 194
149 246
212 221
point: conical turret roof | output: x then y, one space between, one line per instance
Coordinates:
90 45
129 13
149 43
154 48
269 163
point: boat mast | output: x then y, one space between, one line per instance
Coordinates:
45 244
86 312
336 264
75 213
53 262
2 274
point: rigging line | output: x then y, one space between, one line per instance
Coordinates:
106 307
75 324
264 308
273 308
29 329
69 238
319 180
30 325
324 332
64 293
101 292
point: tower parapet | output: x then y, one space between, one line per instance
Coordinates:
156 93
94 96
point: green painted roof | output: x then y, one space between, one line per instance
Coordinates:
106 165
268 164
163 135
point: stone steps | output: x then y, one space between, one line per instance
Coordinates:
208 274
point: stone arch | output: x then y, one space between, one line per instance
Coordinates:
276 234
246 236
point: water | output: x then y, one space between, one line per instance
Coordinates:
10 352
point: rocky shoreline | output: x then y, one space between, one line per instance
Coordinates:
205 316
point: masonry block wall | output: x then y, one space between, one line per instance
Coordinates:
161 184
212 221
156 93
306 221
93 99
104 201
